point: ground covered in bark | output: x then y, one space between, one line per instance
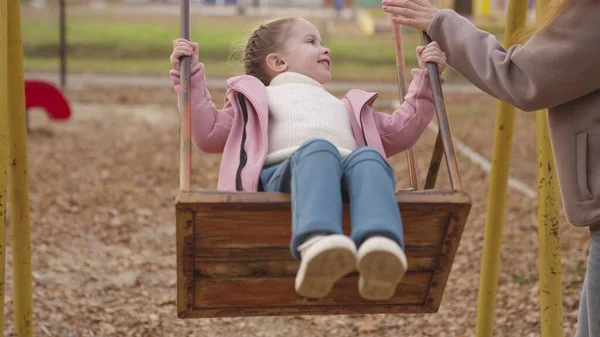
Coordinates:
102 189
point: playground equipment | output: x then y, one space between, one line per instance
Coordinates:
193 208
13 150
40 94
224 269
551 310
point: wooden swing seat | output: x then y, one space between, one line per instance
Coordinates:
233 256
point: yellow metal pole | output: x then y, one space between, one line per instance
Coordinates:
19 184
503 134
551 303
485 8
482 8
3 148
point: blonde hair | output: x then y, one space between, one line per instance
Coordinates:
265 39
553 10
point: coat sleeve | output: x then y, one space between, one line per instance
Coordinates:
402 129
557 65
210 126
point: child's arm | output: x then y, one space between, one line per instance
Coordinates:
401 130
210 126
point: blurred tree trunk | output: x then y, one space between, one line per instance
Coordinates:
463 7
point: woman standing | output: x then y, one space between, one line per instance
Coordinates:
556 69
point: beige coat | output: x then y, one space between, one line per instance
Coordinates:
558 69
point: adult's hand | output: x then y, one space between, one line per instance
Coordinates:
411 13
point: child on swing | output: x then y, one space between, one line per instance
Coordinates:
281 131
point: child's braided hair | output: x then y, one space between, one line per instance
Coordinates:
265 39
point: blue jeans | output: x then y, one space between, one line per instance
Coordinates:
588 320
316 176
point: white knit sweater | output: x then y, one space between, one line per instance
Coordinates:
301 109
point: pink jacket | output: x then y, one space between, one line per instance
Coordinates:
246 112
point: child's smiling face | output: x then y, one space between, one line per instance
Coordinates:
303 52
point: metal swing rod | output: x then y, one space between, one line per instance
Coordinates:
185 106
443 142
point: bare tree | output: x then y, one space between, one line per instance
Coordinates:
463 7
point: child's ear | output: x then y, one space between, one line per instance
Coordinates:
275 63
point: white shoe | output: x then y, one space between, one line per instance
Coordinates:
382 265
325 260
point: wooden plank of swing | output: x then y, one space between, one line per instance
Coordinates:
233 256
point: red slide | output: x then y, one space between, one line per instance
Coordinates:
39 94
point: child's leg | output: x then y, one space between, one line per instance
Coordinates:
376 223
588 324
372 189
316 178
313 174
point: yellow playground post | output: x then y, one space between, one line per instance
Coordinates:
548 208
494 222
19 183
481 8
3 148
551 304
